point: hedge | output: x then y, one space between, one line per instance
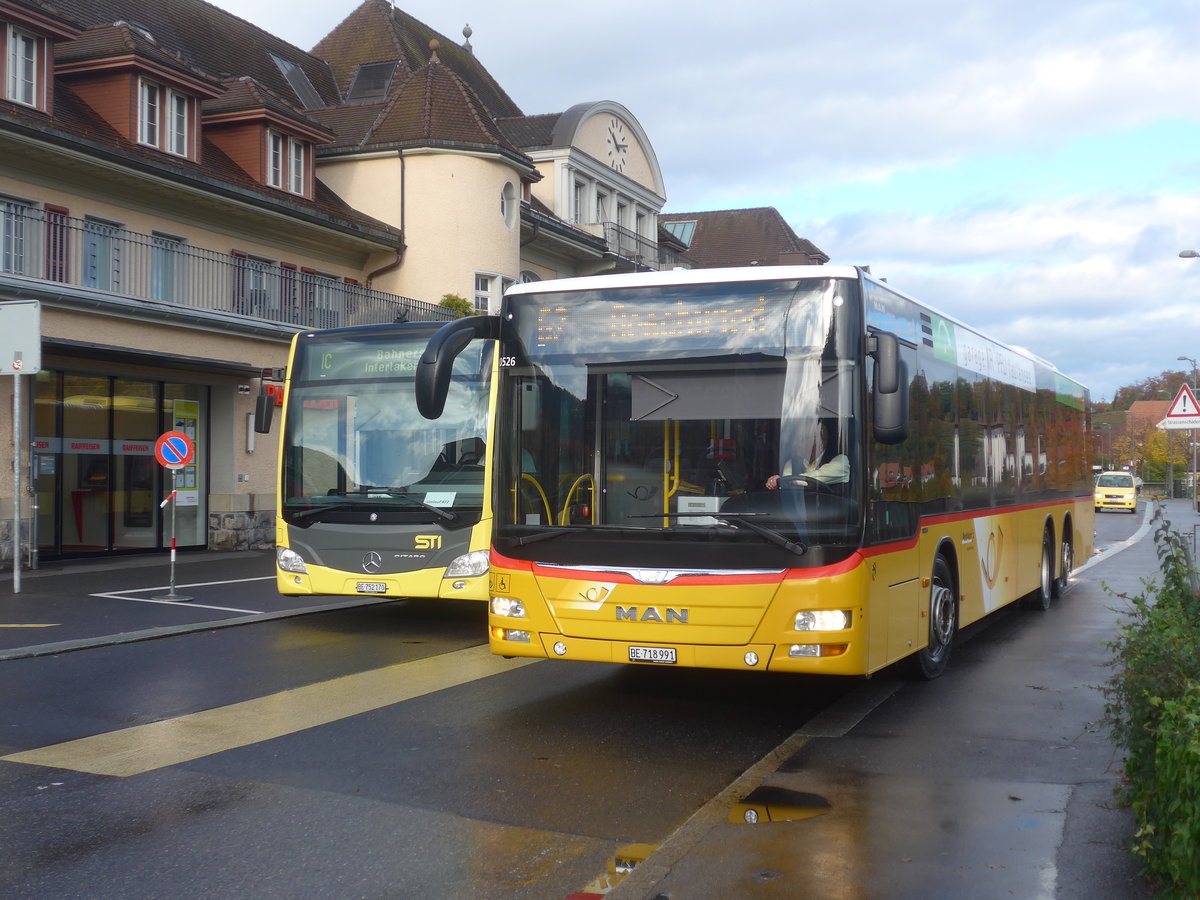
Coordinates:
1153 710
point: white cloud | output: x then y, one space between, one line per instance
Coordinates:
991 157
1069 280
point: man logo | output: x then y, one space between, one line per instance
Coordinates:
372 562
651 614
429 542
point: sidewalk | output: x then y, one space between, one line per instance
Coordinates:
73 605
993 781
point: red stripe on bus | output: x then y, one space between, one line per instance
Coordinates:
839 568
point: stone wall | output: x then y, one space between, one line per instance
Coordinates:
248 530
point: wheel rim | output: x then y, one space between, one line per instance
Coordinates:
1047 569
941 614
1068 563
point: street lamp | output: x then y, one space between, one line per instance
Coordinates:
1189 254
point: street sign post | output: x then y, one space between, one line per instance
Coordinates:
20 354
1184 414
174 450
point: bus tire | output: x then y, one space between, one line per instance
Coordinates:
1066 562
931 661
1040 598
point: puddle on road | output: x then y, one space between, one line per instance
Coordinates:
763 805
775 804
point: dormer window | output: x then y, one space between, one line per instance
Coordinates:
164 117
287 163
23 64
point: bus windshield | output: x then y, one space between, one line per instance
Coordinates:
358 450
699 418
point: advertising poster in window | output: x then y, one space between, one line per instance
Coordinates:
186 418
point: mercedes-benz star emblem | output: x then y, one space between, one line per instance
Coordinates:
372 562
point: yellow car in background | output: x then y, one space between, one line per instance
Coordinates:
1116 490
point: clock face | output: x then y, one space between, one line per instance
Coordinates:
618 145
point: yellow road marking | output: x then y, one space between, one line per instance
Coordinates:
43 625
143 748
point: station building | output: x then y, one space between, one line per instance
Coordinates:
181 192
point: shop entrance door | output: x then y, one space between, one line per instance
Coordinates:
97 483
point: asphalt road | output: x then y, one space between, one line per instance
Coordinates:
374 752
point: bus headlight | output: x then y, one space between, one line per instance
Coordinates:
468 565
508 606
823 620
290 561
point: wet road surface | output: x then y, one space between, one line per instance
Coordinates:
381 752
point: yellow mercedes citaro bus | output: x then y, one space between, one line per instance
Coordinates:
375 499
792 469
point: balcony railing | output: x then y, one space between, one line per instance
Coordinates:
642 252
86 253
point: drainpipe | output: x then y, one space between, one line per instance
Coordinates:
395 264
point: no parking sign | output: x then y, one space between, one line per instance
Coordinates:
174 450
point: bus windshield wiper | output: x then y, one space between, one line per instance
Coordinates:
548 534
559 531
743 519
318 510
411 501
738 520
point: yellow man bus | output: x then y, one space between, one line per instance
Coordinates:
789 469
375 499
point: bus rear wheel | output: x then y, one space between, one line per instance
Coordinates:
1040 598
1066 562
943 622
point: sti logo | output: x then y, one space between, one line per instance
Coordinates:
428 542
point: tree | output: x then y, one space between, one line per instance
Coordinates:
1157 387
460 306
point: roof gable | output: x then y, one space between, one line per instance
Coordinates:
431 107
377 32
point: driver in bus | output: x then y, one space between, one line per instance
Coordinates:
824 464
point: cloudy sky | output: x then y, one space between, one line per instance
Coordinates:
1029 166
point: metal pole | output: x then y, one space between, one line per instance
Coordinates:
16 523
171 595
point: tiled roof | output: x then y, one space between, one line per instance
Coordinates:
215 42
244 94
530 132
1149 411
433 106
102 42
378 32
744 237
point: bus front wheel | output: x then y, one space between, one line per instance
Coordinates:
943 622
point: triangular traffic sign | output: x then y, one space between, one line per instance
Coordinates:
1184 405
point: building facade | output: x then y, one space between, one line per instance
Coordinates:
181 192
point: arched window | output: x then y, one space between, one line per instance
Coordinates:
508 205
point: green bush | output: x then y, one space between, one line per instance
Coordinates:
1167 804
460 306
1153 709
